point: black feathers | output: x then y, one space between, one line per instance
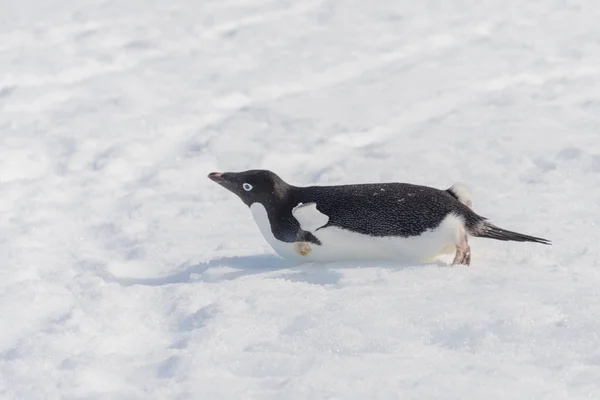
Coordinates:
386 209
490 231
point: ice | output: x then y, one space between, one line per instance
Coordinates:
127 274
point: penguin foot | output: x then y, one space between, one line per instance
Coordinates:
463 256
462 193
463 250
302 248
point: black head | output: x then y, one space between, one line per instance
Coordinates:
252 186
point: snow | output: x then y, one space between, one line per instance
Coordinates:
127 274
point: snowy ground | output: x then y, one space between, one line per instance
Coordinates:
127 274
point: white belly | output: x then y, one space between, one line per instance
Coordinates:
339 244
261 217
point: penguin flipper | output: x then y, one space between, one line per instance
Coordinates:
309 218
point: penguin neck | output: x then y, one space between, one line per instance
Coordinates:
279 202
281 190
281 198
281 194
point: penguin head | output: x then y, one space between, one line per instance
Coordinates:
252 186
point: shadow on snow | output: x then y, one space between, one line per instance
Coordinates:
312 273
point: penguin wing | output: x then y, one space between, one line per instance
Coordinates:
309 217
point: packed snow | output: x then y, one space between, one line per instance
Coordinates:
127 274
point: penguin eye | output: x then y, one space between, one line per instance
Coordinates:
247 187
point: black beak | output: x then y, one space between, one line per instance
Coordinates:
216 177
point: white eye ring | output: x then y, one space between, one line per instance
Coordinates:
247 187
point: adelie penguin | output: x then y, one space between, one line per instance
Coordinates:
363 221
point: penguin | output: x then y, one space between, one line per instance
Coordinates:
363 221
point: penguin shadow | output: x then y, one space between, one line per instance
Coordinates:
294 271
243 265
331 273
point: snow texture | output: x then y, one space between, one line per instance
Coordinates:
127 274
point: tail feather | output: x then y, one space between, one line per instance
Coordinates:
484 229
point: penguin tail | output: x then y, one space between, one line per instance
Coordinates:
484 229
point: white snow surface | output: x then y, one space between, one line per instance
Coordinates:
126 274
